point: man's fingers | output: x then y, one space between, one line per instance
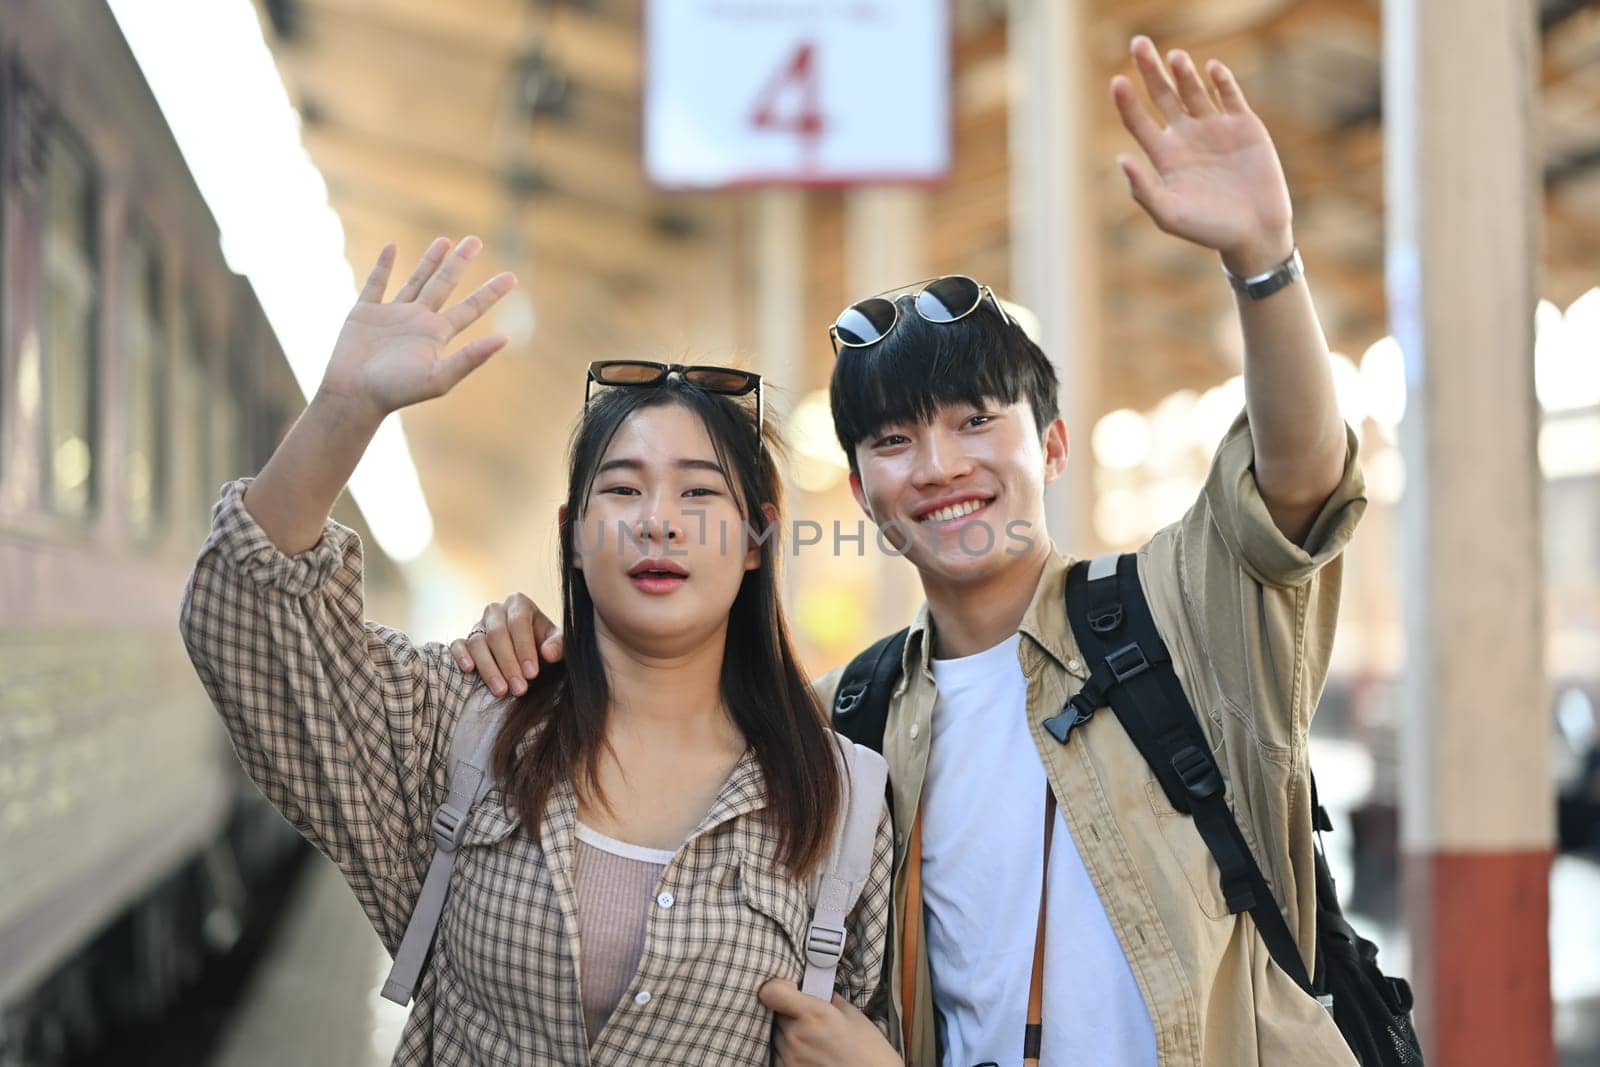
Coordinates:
378 280
471 308
1135 118
522 624
439 287
432 256
484 659
1146 188
501 650
1191 89
552 644
1157 84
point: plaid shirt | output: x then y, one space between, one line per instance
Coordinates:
345 726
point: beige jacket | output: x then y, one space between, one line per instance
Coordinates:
1249 617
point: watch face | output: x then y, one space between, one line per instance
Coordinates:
1264 285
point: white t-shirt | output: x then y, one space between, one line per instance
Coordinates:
982 850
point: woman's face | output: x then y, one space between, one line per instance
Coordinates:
661 542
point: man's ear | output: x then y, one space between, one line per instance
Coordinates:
861 495
1056 450
752 555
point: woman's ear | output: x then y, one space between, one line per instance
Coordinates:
561 529
752 556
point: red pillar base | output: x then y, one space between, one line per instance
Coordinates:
1480 926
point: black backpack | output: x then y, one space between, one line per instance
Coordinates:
1131 672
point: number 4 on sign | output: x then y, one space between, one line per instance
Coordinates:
795 82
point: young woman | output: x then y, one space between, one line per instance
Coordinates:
640 868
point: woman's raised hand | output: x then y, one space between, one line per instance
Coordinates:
391 354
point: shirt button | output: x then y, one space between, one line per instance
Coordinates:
642 997
1074 664
666 900
916 728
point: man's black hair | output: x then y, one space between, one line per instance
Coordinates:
924 366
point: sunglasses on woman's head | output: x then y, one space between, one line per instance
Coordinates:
946 299
726 381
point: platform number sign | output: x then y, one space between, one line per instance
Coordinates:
796 92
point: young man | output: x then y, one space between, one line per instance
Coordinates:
953 434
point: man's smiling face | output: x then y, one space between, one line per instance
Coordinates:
960 494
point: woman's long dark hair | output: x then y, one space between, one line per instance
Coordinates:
562 716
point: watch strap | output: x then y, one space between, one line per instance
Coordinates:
1260 286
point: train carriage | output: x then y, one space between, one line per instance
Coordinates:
137 373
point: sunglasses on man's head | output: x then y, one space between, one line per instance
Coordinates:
947 299
727 381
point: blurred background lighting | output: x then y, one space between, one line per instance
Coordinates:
1121 439
220 90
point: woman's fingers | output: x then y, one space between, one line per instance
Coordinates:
1196 99
438 288
432 256
378 280
464 360
1228 90
481 299
462 655
1156 82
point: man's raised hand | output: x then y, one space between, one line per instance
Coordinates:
1210 173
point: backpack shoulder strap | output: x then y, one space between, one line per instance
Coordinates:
849 863
1132 671
861 703
471 744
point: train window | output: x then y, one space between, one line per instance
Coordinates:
145 337
228 409
192 448
71 352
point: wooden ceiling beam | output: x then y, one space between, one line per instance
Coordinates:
565 160
448 190
598 52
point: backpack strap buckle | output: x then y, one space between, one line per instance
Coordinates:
849 698
824 944
1103 620
1199 773
1127 662
449 827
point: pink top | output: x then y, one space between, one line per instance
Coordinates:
614 883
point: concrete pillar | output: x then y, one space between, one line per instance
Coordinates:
780 292
1463 198
1054 237
778 243
885 247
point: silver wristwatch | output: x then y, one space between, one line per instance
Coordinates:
1261 286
